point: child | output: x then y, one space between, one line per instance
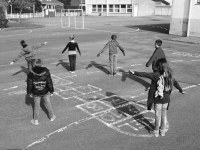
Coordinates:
112 45
164 81
157 54
40 86
29 53
72 46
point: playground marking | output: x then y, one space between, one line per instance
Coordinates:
14 87
176 60
133 65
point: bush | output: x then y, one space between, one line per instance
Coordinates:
3 22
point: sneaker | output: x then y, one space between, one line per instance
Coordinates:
162 132
35 122
167 127
156 133
53 118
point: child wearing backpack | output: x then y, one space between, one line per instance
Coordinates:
164 81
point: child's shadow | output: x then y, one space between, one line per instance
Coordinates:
64 64
124 107
126 75
30 102
98 66
23 69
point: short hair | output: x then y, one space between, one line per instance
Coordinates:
113 37
72 37
22 42
158 42
38 62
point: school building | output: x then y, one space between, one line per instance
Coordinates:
49 7
185 19
120 7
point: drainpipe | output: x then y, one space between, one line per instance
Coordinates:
189 18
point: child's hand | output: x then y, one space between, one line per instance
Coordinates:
45 43
98 55
124 53
31 95
11 63
131 72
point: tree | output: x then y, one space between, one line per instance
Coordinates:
21 4
65 2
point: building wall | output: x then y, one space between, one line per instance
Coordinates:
139 7
180 15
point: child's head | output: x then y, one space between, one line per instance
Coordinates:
23 43
38 62
158 43
165 70
114 37
72 37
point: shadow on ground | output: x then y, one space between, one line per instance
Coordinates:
23 69
98 66
160 28
64 64
126 75
125 107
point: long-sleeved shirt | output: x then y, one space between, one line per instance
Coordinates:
28 52
155 77
71 46
158 54
112 45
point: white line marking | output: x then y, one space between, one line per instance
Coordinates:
92 72
14 87
135 65
196 60
176 60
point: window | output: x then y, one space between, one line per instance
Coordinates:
110 8
116 8
94 8
104 8
123 8
198 1
99 8
129 8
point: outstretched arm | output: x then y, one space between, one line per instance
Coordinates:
176 84
121 48
22 53
37 46
77 47
66 47
153 57
148 75
105 47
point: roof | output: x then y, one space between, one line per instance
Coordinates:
54 2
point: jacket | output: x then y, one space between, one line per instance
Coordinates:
28 52
155 77
39 83
158 54
71 46
112 45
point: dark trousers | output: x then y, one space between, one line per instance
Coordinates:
72 62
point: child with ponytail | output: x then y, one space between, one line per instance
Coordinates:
163 81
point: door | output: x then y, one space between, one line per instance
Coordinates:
135 10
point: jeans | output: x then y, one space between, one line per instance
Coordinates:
113 63
47 103
72 62
160 116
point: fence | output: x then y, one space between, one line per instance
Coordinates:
25 15
163 10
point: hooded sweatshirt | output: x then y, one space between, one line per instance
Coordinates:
39 83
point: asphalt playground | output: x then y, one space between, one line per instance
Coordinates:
95 111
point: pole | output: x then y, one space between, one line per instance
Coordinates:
189 19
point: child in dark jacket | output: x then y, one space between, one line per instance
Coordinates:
40 85
163 81
72 46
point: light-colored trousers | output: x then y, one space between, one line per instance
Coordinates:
160 116
113 63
